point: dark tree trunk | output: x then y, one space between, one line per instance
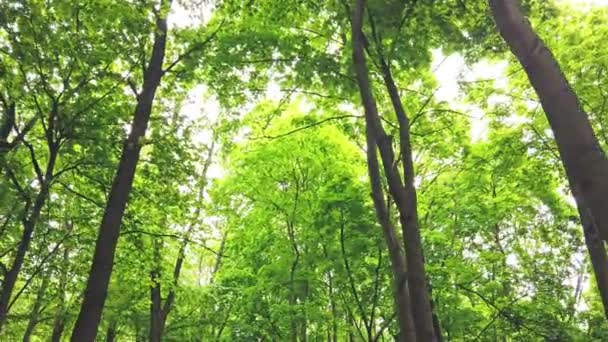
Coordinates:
157 312
7 124
58 327
157 317
95 294
35 314
59 321
30 219
585 163
597 254
406 200
111 333
404 197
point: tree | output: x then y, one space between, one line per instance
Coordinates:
582 156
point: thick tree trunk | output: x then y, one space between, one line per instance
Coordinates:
95 294
585 163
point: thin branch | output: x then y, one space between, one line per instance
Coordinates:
314 124
196 47
174 236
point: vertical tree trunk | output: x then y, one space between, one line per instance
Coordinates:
597 254
35 311
403 196
29 224
406 200
157 313
95 294
585 163
59 321
111 332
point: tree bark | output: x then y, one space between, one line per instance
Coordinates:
35 314
111 333
157 314
585 163
29 224
376 136
59 321
597 254
406 200
85 329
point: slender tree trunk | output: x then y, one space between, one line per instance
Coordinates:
95 294
156 304
597 254
35 311
111 332
585 163
7 124
406 200
376 136
59 321
29 224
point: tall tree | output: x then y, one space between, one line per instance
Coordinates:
584 160
404 195
96 290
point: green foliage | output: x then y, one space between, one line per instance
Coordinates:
252 175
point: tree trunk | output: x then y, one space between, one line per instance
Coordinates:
111 333
35 314
597 254
29 224
95 294
376 136
406 200
585 163
59 321
157 314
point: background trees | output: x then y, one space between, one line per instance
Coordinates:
250 215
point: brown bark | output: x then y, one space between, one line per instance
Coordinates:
374 137
585 163
95 294
404 196
406 200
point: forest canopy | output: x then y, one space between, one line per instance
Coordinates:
280 170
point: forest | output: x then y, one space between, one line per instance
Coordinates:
303 170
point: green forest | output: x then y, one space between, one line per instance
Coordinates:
303 170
